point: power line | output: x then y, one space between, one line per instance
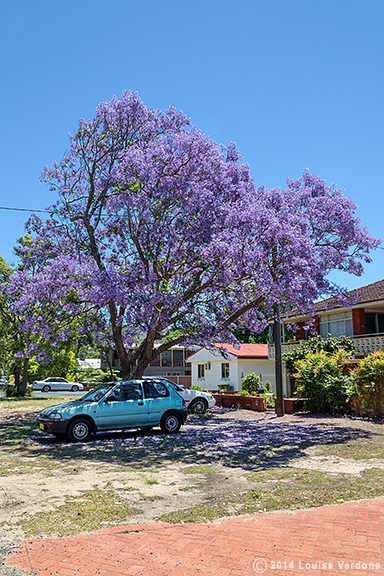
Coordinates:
23 209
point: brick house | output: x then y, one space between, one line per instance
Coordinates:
363 320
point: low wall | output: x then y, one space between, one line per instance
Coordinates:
292 405
231 400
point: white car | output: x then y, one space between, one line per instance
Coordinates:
196 401
56 384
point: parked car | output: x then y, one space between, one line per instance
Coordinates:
3 384
197 401
56 384
116 406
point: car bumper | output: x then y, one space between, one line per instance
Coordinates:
52 426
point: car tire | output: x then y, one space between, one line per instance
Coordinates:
80 430
46 388
74 388
198 406
170 423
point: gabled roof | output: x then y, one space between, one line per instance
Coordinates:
246 351
370 293
221 351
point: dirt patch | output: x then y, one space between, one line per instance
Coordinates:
155 474
149 492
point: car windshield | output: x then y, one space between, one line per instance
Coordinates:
177 387
97 393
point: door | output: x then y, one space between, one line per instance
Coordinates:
123 407
158 399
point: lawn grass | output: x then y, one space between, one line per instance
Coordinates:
363 450
285 489
32 402
93 510
264 452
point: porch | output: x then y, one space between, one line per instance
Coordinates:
364 345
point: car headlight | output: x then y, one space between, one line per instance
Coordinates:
55 416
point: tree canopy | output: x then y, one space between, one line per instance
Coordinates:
163 232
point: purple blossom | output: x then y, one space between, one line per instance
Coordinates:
159 233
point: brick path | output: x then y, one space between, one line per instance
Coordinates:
342 539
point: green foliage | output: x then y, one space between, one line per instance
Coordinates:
320 377
196 387
94 375
317 344
246 336
64 362
267 387
12 392
250 384
369 383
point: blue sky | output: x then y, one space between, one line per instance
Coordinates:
296 83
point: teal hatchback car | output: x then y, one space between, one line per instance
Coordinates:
119 405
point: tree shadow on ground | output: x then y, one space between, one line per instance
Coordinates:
215 438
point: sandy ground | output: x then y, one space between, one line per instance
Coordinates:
149 491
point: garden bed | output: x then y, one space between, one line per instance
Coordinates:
233 400
293 405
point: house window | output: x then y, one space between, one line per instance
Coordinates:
374 323
201 371
166 358
178 358
224 370
336 324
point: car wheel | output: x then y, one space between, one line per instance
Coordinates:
199 406
74 388
80 430
170 423
46 388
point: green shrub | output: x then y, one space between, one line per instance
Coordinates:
320 377
317 344
12 392
196 387
369 384
251 383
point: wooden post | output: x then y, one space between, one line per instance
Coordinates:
278 361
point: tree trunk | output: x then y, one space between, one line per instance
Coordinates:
16 373
24 382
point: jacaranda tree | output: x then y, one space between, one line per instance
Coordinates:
163 231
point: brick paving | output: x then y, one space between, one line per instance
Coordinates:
342 539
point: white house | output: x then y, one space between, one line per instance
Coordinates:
89 363
224 364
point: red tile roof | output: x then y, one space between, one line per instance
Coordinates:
246 351
369 293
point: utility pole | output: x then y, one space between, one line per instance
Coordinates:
278 361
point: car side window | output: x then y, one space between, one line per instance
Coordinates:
155 390
132 391
126 391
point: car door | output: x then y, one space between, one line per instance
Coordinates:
123 407
54 384
158 399
61 384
